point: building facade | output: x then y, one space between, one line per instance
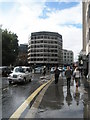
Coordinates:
86 27
68 57
86 33
45 48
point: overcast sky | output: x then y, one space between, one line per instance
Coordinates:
62 16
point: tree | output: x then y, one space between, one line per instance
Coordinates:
9 47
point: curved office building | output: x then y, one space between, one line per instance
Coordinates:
45 48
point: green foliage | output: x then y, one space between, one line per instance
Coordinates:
9 47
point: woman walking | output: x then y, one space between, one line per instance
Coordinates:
76 75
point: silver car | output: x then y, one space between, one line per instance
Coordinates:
52 70
20 74
38 70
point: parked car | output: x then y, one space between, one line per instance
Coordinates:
52 69
20 74
5 71
38 70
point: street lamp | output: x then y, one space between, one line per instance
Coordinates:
48 58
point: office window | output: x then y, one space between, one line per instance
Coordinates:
45 37
41 36
67 53
41 41
48 37
32 38
71 53
32 42
55 38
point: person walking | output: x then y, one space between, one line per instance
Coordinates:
44 70
57 72
68 74
76 75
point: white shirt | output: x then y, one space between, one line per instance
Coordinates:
76 73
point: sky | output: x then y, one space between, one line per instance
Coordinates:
26 16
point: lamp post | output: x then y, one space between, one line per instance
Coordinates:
48 58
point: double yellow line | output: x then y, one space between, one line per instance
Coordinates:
21 109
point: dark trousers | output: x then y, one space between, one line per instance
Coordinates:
56 78
68 82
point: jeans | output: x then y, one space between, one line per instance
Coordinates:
68 82
56 78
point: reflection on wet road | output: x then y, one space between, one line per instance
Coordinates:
58 102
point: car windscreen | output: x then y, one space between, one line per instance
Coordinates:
20 70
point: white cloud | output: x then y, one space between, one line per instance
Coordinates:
43 1
24 19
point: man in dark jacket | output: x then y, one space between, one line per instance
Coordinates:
68 74
57 72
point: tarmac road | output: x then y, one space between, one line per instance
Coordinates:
14 95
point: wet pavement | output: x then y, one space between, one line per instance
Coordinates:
53 102
58 102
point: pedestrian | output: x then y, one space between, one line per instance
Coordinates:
76 75
44 70
68 74
57 72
